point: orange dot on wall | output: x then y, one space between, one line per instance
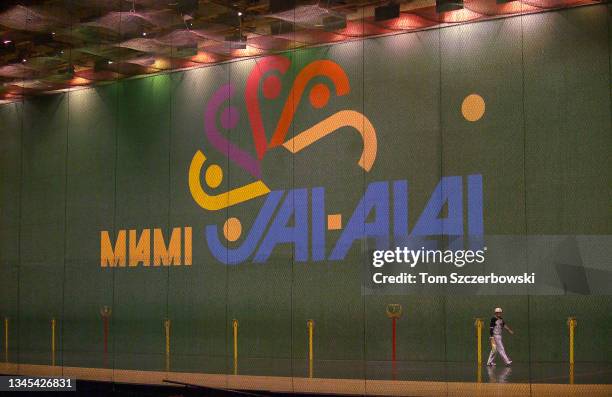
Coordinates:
473 107
232 229
334 222
319 95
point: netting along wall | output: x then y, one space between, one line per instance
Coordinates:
117 157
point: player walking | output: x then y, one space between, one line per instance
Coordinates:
497 345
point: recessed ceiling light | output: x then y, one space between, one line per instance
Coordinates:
386 12
448 5
144 33
110 62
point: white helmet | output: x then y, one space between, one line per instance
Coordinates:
498 310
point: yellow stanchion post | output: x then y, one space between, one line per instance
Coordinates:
167 328
310 325
53 342
6 340
235 328
479 325
571 324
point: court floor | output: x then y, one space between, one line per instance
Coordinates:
382 379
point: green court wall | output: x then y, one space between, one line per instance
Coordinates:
116 157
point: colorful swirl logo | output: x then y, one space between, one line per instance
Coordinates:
266 73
